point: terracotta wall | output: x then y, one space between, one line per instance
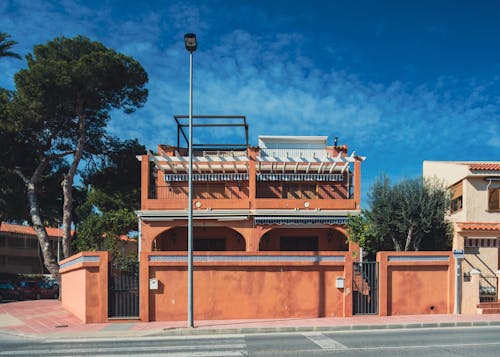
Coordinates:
237 285
416 283
84 285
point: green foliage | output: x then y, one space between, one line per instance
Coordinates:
107 201
71 84
17 149
116 182
410 215
361 231
58 116
6 45
103 231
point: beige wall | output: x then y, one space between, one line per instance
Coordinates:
481 258
447 171
475 193
476 201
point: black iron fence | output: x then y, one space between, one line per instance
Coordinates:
365 280
488 289
123 300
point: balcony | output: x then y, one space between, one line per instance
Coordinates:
205 196
236 195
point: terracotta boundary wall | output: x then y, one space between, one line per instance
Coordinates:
84 285
416 283
236 285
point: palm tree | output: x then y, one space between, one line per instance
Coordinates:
5 46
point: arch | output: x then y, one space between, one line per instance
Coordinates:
211 238
304 239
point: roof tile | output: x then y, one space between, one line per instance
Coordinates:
478 226
20 229
485 166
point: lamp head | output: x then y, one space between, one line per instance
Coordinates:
190 42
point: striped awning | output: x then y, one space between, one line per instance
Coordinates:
283 220
300 177
206 177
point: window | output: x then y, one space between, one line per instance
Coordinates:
456 192
494 199
209 244
295 244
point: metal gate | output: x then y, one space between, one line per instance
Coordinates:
123 299
365 288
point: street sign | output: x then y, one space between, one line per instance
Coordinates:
458 253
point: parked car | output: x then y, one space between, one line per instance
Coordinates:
27 290
48 290
38 290
8 292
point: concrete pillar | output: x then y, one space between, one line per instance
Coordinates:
357 182
144 180
470 293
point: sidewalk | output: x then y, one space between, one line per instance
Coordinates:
48 319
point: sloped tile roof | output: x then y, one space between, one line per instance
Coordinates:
478 226
52 232
28 230
485 166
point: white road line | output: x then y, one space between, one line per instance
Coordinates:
189 354
236 348
324 342
235 337
455 345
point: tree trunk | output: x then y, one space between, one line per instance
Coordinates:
397 246
416 243
67 186
408 238
49 258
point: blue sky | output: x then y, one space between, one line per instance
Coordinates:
398 81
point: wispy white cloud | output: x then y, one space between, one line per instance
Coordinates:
270 79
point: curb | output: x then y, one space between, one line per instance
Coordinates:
201 331
299 329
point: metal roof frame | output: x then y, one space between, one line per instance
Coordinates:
214 121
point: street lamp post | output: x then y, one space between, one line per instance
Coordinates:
191 45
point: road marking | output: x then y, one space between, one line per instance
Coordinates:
323 341
230 349
455 345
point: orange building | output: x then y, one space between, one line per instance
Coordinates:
20 251
269 240
291 193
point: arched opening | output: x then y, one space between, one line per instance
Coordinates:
204 239
303 239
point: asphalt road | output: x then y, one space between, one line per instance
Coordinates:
442 342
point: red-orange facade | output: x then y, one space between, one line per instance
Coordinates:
287 194
268 230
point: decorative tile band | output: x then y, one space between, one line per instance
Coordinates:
423 258
252 258
82 259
